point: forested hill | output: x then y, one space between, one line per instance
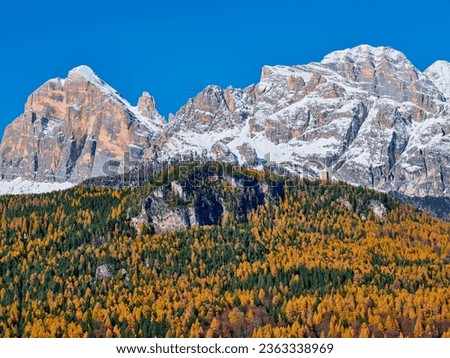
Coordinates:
220 251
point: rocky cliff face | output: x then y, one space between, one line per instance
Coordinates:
172 208
365 115
76 128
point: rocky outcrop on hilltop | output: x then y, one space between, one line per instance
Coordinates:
174 207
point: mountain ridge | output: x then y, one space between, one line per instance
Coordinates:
307 106
366 115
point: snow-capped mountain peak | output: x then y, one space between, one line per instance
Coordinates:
84 71
76 128
145 112
368 112
365 114
86 74
364 52
439 73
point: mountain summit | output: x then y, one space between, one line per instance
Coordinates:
366 115
439 73
71 128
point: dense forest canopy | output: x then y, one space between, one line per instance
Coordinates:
288 258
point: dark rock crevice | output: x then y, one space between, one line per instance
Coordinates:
75 152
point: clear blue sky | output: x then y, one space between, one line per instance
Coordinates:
173 49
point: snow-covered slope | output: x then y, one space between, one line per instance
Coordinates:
439 73
19 186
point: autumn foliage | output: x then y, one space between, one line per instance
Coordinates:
302 264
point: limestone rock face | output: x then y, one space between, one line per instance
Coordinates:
365 114
103 272
378 208
76 128
212 118
163 214
147 106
